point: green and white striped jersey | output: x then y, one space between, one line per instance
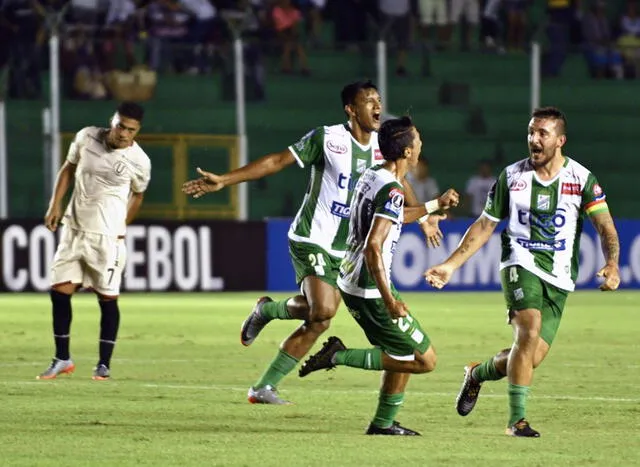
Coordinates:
337 160
544 218
378 193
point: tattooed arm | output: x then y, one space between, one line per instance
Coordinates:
476 236
603 223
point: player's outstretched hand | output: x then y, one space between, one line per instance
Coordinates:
52 218
611 276
438 276
449 199
397 309
208 183
431 229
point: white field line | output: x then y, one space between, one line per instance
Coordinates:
222 387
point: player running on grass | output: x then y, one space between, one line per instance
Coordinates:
544 199
377 214
337 155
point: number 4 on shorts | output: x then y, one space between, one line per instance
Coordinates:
513 274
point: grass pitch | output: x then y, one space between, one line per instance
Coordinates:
180 376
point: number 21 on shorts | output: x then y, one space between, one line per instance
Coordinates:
317 262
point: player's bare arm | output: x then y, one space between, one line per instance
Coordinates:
414 211
135 201
63 181
373 259
210 182
477 235
603 223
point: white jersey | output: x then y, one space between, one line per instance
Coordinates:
377 194
104 179
544 218
337 160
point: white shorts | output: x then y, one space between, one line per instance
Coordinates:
469 8
433 8
90 259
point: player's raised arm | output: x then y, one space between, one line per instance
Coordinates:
210 182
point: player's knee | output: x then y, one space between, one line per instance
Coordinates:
321 313
319 327
427 363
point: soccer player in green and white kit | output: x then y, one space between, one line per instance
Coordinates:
376 217
337 155
544 199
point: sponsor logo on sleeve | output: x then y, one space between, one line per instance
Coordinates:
571 189
395 202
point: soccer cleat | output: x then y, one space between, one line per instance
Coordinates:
101 372
468 395
254 323
57 367
323 359
265 395
394 429
522 429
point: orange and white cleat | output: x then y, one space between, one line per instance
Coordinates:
57 367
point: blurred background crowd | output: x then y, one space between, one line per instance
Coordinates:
193 36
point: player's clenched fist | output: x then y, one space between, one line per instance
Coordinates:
611 276
52 217
449 199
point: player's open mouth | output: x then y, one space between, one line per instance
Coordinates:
535 151
376 117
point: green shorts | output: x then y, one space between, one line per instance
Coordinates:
311 260
523 289
398 338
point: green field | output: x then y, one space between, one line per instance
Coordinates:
180 376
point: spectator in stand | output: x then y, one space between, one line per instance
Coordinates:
478 187
22 21
312 13
434 13
560 17
286 21
470 9
629 40
396 24
201 32
603 58
516 24
424 186
119 31
168 28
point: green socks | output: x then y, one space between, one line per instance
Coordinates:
486 372
276 310
367 359
517 402
280 367
388 406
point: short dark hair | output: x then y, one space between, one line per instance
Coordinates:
394 137
131 110
554 113
351 90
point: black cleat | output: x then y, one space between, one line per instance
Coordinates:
323 359
254 323
522 429
394 430
468 395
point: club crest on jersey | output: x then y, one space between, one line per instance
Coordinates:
544 202
120 167
338 148
361 166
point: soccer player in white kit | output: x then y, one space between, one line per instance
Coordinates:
111 174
